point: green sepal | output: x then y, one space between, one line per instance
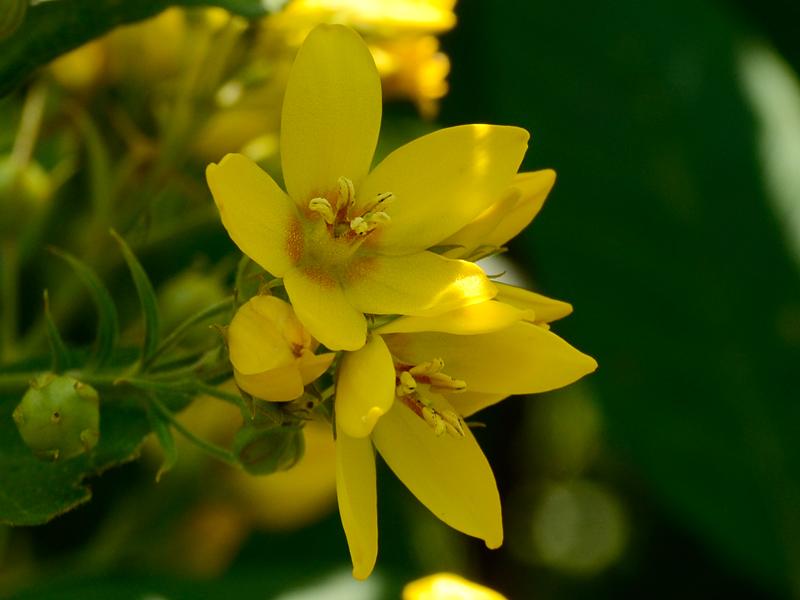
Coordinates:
107 321
58 349
262 451
163 432
147 299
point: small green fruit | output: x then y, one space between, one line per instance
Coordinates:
59 417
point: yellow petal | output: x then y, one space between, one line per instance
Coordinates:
441 182
321 305
468 320
533 188
521 359
358 501
258 216
276 385
449 475
313 365
546 309
365 387
476 233
255 343
419 284
467 403
331 113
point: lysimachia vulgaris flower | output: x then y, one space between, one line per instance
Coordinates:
348 241
271 352
407 392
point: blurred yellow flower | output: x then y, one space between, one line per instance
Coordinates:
271 352
446 586
387 18
406 392
347 241
413 68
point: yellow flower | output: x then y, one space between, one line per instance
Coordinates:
271 352
446 586
347 241
386 18
413 68
407 391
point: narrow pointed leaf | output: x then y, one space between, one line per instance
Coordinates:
147 298
163 432
107 321
58 349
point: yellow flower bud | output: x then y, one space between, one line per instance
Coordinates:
271 352
59 417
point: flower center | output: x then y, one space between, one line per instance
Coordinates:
343 219
409 377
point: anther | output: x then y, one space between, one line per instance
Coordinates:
324 208
452 423
407 385
442 381
428 367
383 198
347 193
434 420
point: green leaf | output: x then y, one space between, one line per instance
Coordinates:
53 28
58 349
99 167
147 298
163 432
107 323
33 491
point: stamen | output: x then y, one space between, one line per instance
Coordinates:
434 420
368 221
324 208
407 385
445 382
347 193
428 367
453 423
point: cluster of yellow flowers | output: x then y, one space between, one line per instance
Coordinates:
247 67
377 266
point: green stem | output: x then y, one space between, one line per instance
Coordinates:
212 449
175 336
9 299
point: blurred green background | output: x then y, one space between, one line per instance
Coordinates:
674 229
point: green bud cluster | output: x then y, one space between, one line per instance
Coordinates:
59 417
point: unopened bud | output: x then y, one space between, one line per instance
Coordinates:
59 417
271 352
262 451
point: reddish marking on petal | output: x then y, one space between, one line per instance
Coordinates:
320 277
294 240
360 268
